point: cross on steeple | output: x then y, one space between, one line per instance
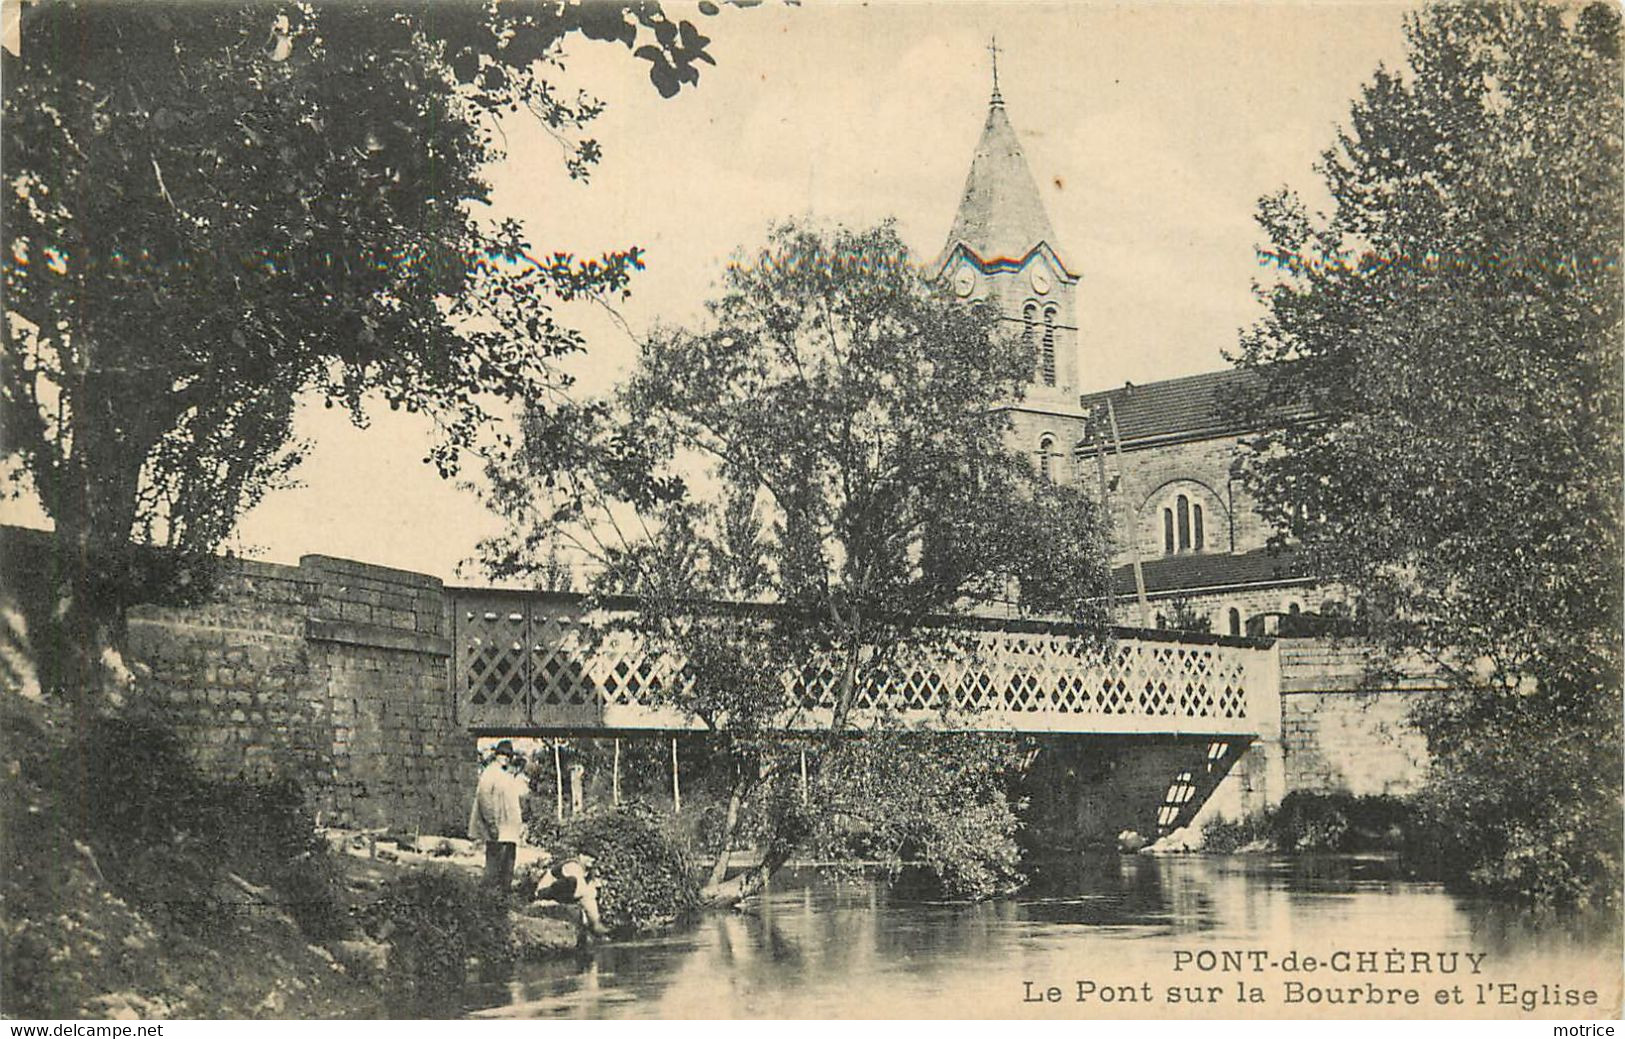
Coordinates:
993 49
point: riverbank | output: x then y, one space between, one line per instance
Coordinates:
81 942
76 949
134 887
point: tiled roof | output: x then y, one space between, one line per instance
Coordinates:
1000 214
1165 574
1187 407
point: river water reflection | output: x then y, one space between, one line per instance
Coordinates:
815 948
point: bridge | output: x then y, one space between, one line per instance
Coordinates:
1170 713
544 663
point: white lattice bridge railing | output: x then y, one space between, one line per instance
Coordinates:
533 662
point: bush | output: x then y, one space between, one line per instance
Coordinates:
1313 822
649 880
435 920
309 887
970 854
1227 836
1342 822
165 834
1523 798
273 841
936 803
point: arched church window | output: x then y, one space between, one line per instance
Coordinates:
1047 358
1183 526
1046 447
1235 621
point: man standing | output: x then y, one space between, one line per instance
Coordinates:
495 817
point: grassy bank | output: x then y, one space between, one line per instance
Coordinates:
133 886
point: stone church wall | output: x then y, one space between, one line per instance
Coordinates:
1247 602
1028 429
1231 520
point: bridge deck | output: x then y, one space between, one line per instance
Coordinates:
530 663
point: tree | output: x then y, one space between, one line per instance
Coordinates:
212 209
830 444
1183 615
1448 340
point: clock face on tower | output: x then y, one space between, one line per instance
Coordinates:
964 280
1039 276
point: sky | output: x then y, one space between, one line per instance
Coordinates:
1152 130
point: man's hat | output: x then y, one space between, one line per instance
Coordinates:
504 749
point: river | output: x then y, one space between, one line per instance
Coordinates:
1105 937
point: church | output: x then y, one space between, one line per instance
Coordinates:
1189 547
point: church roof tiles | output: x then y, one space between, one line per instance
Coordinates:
1191 572
1190 408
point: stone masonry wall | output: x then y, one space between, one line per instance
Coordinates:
334 672
1346 727
235 675
1029 424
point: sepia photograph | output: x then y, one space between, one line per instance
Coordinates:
747 509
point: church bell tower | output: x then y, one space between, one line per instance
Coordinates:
1002 249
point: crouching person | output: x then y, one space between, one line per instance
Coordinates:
570 882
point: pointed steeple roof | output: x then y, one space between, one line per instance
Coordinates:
1000 214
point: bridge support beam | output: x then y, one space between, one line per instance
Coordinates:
1084 791
1258 780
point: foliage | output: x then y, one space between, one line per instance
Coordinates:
1305 821
436 919
1249 832
935 802
165 835
1526 812
309 885
156 823
214 209
648 879
829 454
114 889
853 412
859 475
272 839
73 948
1441 361
1183 615
32 563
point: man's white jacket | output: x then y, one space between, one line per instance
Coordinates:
495 815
